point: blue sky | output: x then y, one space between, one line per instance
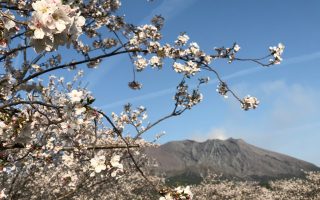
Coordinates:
287 120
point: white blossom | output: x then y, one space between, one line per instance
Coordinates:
9 28
75 96
68 127
98 163
182 39
178 67
194 48
35 66
277 51
2 194
115 162
79 110
140 63
189 69
8 23
249 103
2 126
68 159
236 48
54 24
155 61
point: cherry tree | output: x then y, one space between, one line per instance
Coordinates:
54 142
213 187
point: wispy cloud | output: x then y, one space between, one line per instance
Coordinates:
142 97
95 76
300 59
169 8
291 104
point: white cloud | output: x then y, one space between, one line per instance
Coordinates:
268 88
215 133
291 105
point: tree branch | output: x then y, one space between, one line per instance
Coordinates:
80 62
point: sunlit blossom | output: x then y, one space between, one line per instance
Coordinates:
75 96
98 163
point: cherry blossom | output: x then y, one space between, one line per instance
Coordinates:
98 163
178 193
7 28
182 39
140 63
68 159
54 24
75 96
155 61
115 162
277 51
236 48
55 142
79 110
249 103
222 89
2 194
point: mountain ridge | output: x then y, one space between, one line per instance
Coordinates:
234 158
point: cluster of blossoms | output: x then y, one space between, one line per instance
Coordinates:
144 33
153 46
115 163
249 103
276 52
54 24
140 63
155 61
228 53
2 194
182 40
179 193
192 56
98 163
190 68
8 28
134 117
184 98
222 89
135 85
75 96
64 135
213 187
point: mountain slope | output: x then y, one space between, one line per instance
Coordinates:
232 158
